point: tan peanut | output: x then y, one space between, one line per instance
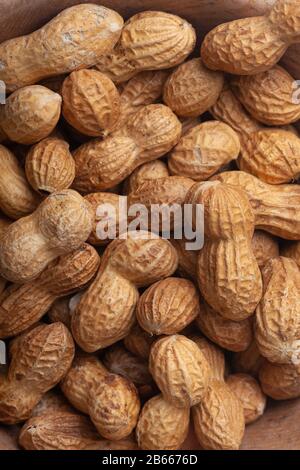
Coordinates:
91 102
23 306
142 47
60 311
162 426
192 88
76 38
168 306
248 361
232 335
213 354
276 208
30 114
139 342
187 259
292 250
137 261
39 361
148 171
52 401
149 134
219 421
277 329
16 197
237 46
228 274
264 247
58 226
204 150
280 381
49 166
269 96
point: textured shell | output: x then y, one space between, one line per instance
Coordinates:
280 381
270 97
272 155
91 102
52 401
149 134
277 330
248 361
292 250
236 47
58 431
30 114
213 354
162 426
16 197
232 335
268 202
168 306
86 373
180 370
249 392
4 224
24 305
106 209
120 361
192 89
264 247
228 274
127 264
114 407
74 39
150 40
60 225
139 342
148 171
219 419
50 166
187 259
204 150
60 311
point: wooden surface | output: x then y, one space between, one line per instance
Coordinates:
279 428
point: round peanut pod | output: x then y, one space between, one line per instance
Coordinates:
147 171
291 250
168 306
213 354
232 335
269 96
280 381
50 166
249 392
91 102
277 327
30 114
114 407
76 38
264 247
162 426
139 342
248 361
192 88
59 226
204 150
142 46
219 421
180 370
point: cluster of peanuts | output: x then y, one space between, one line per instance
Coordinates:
126 344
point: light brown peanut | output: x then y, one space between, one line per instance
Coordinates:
280 381
264 247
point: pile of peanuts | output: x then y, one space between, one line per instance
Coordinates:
126 343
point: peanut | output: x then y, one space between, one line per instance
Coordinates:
142 47
76 38
60 225
148 171
264 247
138 342
237 47
148 135
4 224
248 361
280 381
52 401
137 261
213 354
187 259
60 311
30 114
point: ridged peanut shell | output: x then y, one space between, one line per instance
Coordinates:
114 407
139 342
168 306
192 88
50 166
120 361
213 354
280 381
91 102
180 370
76 38
60 311
187 259
277 329
148 171
232 335
291 250
248 361
30 114
219 421
264 247
269 97
249 392
52 401
162 426
204 150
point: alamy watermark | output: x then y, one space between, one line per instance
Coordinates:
2 353
296 92
2 92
